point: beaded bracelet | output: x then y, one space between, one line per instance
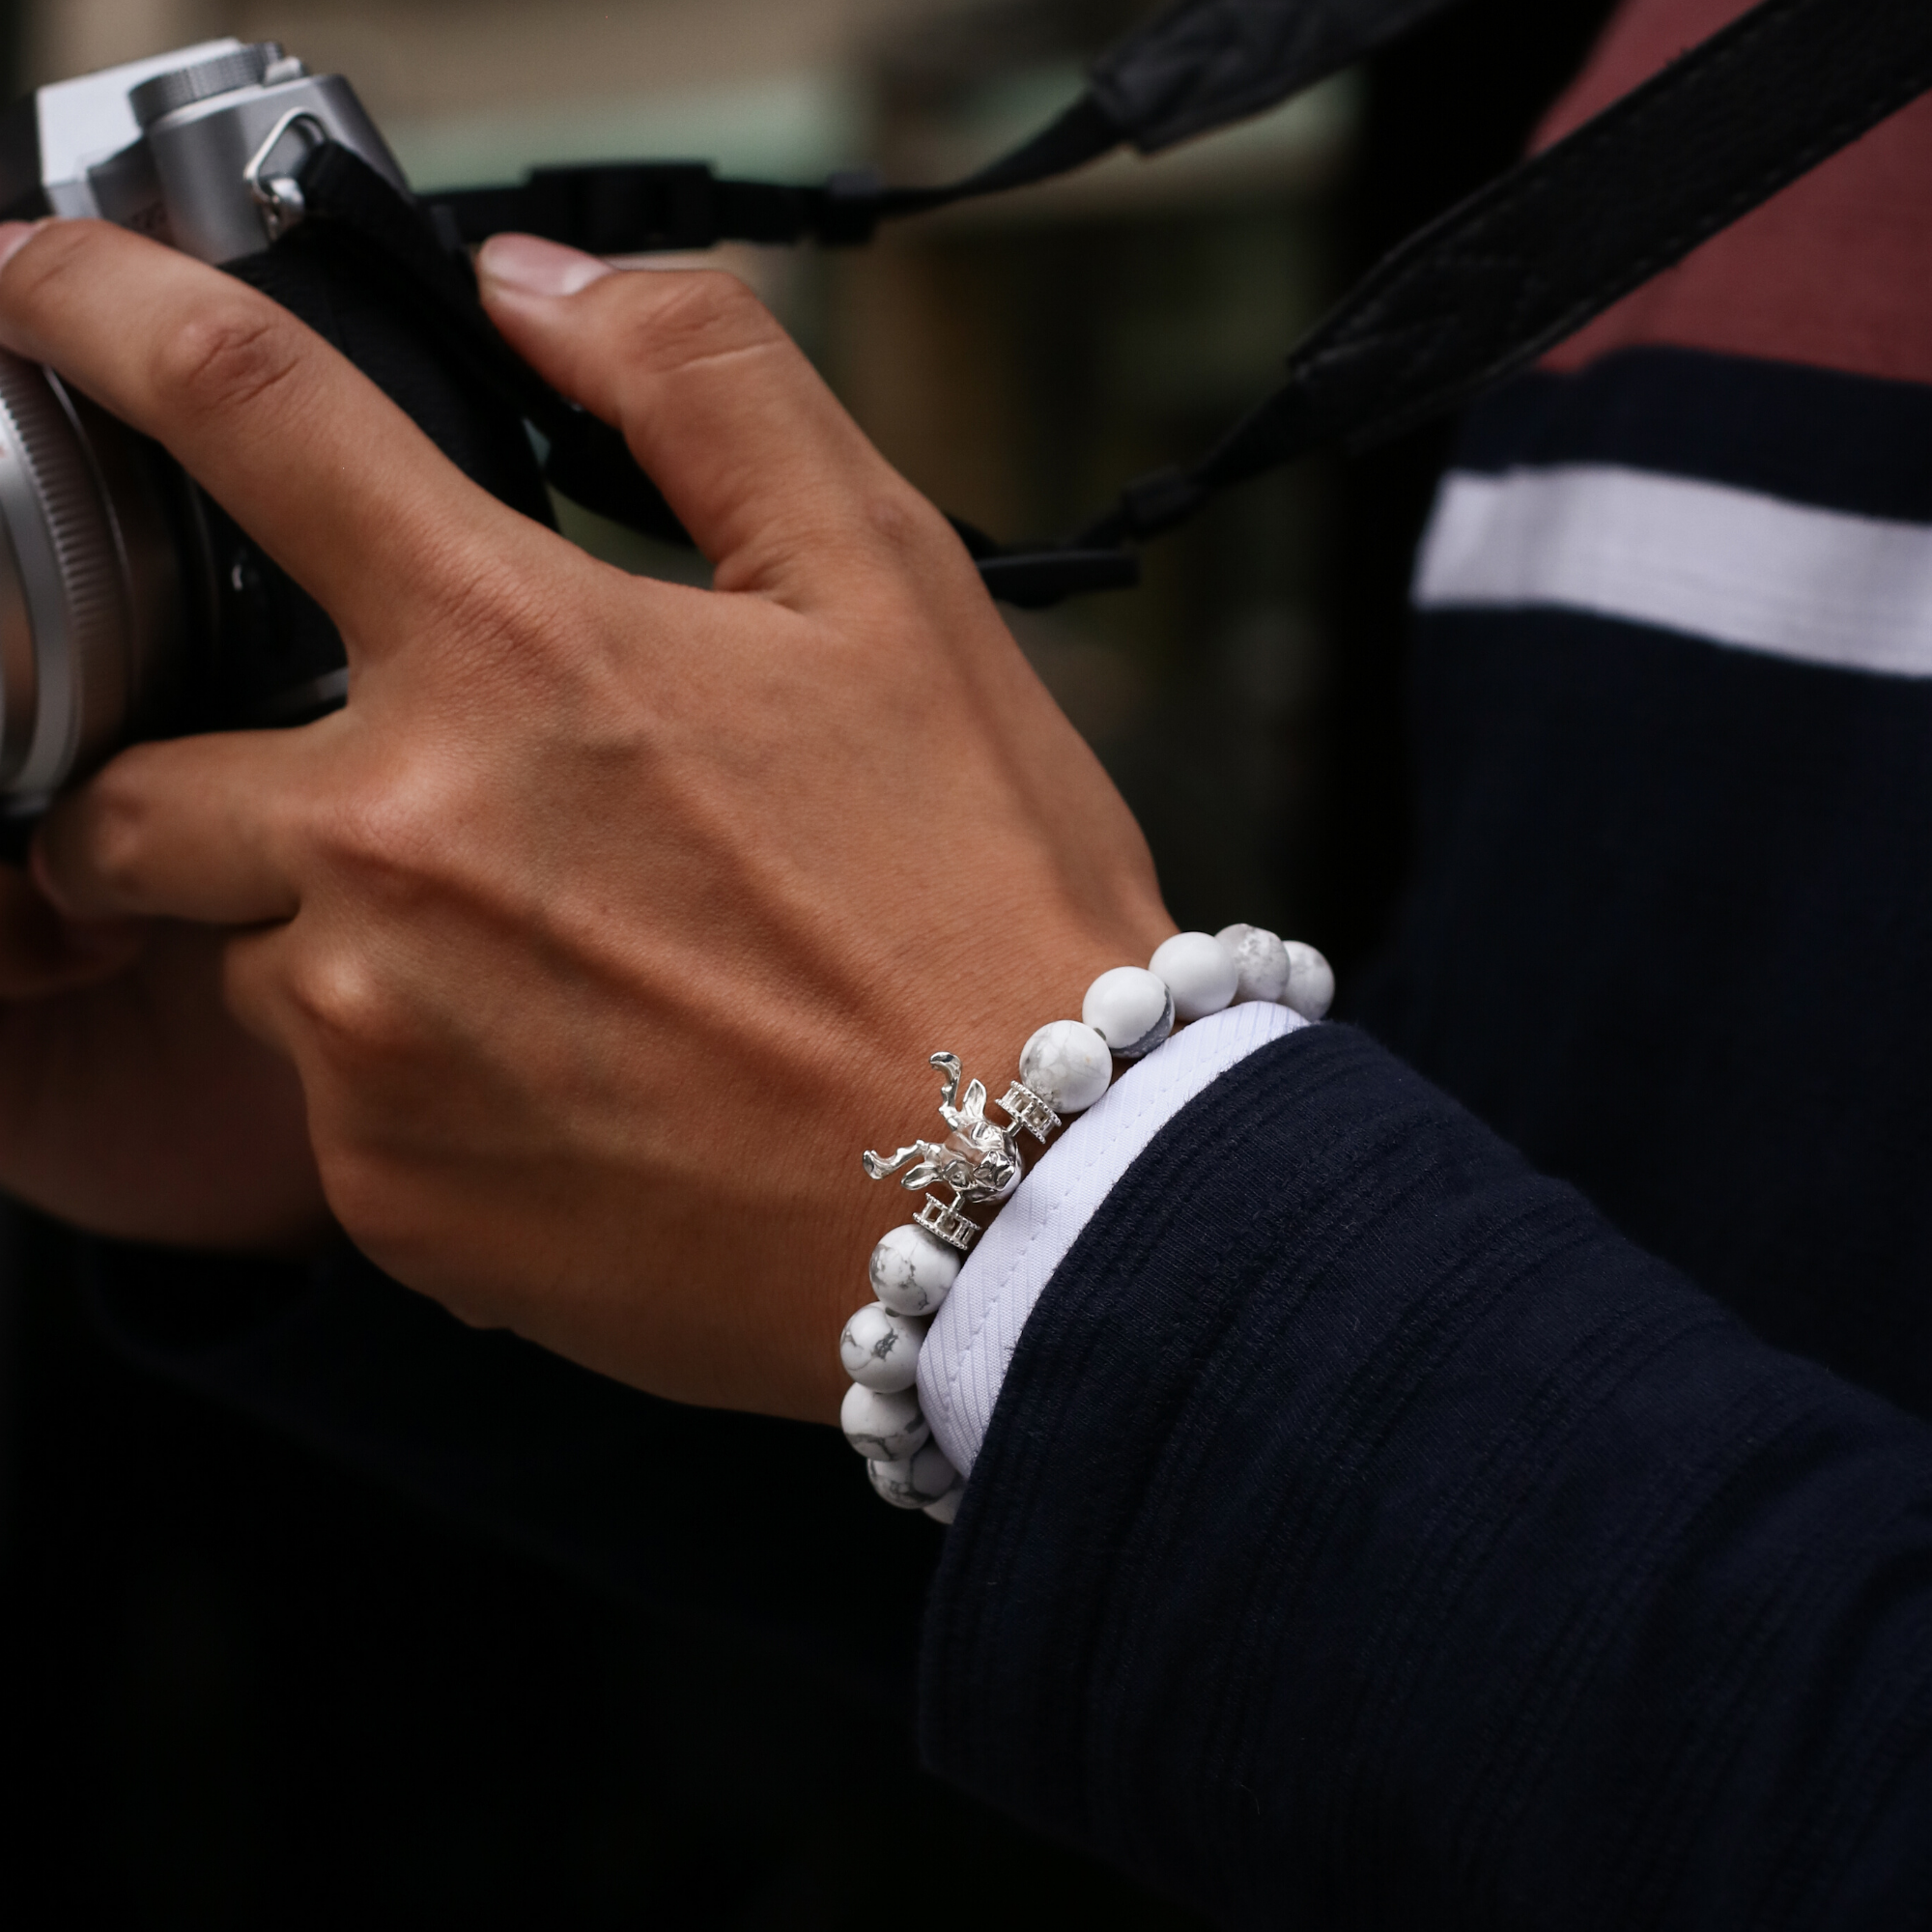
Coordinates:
1065 1069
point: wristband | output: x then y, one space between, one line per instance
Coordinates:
1063 1069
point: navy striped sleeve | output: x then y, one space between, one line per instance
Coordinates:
1368 1535
1849 443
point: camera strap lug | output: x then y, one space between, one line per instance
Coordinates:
279 196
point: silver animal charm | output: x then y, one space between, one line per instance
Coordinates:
980 1160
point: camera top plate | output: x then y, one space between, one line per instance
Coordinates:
82 122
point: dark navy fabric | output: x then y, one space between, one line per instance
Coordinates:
1673 937
1370 1532
1810 436
1368 1535
1671 926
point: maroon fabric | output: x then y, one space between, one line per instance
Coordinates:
1836 271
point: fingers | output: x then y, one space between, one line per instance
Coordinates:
301 447
186 829
40 953
776 483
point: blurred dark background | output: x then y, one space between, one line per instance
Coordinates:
241 1686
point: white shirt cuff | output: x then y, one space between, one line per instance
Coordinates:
963 1362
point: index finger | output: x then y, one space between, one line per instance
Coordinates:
303 451
42 954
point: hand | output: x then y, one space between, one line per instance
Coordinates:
611 918
131 1102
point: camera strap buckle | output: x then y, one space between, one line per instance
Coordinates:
279 196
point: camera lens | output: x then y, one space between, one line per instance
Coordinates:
88 614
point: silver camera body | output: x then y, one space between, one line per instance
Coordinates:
198 149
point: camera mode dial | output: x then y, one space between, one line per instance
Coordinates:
202 80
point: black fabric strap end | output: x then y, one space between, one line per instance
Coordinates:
1143 509
1033 582
643 208
1082 133
1200 64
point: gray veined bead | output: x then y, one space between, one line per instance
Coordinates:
916 1483
883 1427
1311 981
913 1273
880 1349
1130 1008
1260 964
1068 1064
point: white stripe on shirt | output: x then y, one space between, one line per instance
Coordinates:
1729 565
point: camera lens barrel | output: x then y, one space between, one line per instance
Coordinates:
85 607
129 600
62 616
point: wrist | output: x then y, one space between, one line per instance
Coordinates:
982 1009
1065 1066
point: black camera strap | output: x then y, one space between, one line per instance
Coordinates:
1526 262
394 242
1478 293
1196 65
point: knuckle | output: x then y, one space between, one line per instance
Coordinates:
228 355
399 845
902 523
58 254
350 1010
119 825
893 541
379 844
493 602
700 317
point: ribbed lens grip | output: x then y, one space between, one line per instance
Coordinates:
63 615
163 93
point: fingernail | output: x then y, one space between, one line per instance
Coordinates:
535 267
14 236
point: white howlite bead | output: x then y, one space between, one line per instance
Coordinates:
1068 1064
917 1481
1132 1009
1311 981
913 1271
880 1349
883 1427
948 1506
1260 964
932 1475
894 1482
1198 970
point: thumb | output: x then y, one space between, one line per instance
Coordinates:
776 483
